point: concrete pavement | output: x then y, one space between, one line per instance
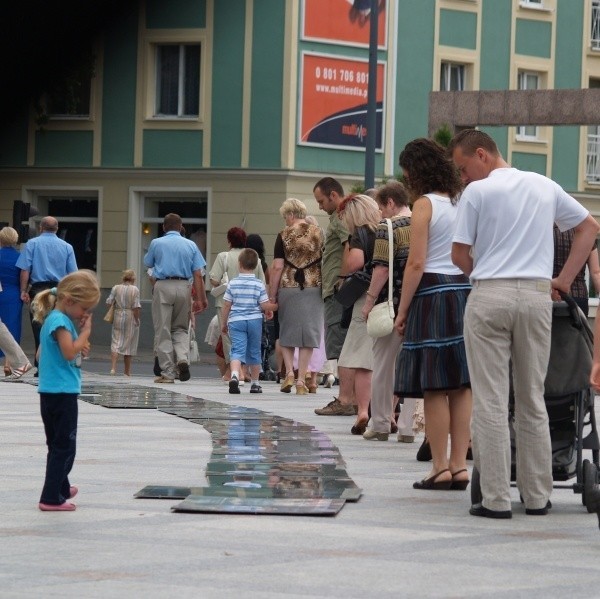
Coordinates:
395 541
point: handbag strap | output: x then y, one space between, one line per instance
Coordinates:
390 258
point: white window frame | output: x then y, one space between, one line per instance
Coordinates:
528 132
595 26
32 193
147 77
181 82
137 217
446 68
592 162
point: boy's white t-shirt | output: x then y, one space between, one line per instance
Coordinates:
507 218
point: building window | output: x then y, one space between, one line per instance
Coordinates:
69 95
452 77
177 80
527 81
71 101
595 42
531 3
592 165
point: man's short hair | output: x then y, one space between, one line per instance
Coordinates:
49 223
248 259
468 140
329 184
172 222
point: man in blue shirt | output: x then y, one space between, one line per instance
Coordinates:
175 261
44 261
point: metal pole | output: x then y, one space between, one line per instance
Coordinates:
372 97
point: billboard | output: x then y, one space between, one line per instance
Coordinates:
342 22
333 101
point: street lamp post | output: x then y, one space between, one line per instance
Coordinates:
372 97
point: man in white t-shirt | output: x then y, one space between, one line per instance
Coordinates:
504 242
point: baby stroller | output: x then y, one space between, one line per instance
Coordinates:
267 348
569 402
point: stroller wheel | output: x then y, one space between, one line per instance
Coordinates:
476 496
590 478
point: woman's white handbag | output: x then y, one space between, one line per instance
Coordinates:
380 322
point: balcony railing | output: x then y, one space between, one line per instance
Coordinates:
592 168
595 25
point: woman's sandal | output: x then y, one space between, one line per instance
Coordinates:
424 452
287 384
432 483
7 371
301 388
459 485
17 373
308 381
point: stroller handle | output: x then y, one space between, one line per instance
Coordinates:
575 312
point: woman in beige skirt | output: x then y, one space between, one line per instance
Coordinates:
360 214
126 323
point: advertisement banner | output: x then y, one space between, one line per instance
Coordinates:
342 22
333 102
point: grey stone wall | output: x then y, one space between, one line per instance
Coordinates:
514 107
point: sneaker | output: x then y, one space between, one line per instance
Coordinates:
184 371
372 435
61 507
234 385
335 408
163 379
406 438
256 388
241 383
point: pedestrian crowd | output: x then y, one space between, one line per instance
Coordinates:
469 251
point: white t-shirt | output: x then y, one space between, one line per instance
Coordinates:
441 229
508 219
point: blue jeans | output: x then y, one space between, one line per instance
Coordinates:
59 415
246 338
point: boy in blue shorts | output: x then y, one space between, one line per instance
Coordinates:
243 304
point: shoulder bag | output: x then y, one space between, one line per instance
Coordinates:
355 284
380 322
194 354
110 314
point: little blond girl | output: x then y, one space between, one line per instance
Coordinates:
59 385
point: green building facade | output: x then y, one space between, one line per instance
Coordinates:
220 109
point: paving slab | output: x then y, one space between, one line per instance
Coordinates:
395 541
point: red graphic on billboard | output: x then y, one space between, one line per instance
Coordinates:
333 108
344 22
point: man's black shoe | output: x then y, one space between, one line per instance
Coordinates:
540 511
479 510
157 370
184 371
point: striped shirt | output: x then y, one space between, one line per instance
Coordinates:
246 293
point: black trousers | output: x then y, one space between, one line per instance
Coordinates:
59 415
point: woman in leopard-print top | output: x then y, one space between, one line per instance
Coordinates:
296 286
